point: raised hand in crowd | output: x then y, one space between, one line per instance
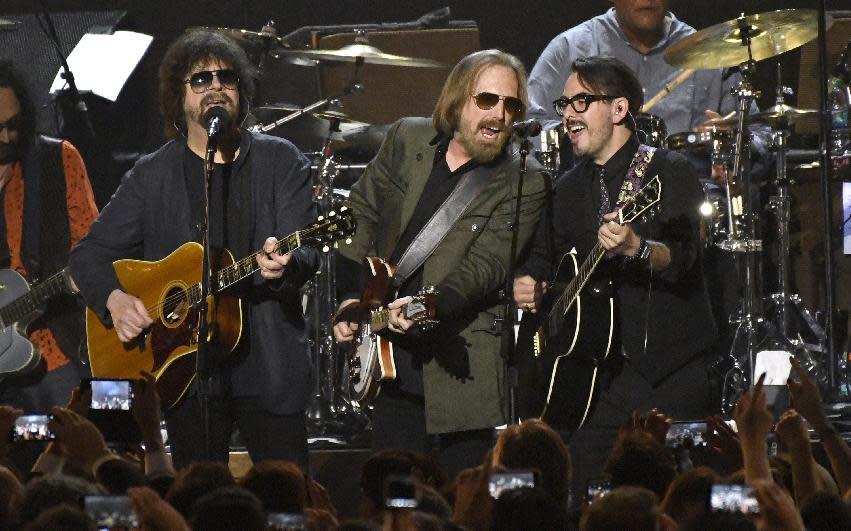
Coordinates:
146 411
473 503
154 513
8 416
806 399
753 420
777 511
81 440
792 432
723 440
656 423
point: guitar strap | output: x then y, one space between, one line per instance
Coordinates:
441 221
635 173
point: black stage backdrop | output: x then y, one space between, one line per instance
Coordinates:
522 28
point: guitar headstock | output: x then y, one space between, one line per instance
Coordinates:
338 224
649 195
423 308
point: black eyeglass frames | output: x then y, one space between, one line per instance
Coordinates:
580 102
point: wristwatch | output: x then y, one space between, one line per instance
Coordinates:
644 249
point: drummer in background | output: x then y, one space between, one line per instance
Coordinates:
637 32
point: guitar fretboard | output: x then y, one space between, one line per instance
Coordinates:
568 296
26 305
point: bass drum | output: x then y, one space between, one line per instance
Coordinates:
650 129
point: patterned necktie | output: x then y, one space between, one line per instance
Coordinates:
605 204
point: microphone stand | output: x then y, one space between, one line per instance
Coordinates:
203 367
509 313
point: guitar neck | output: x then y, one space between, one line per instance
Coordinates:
568 296
36 299
379 320
230 275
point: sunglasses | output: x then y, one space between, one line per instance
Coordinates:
200 82
487 100
580 102
12 124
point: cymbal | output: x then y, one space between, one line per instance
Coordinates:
772 33
242 36
783 114
351 52
283 109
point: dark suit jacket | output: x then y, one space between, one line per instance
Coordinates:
462 372
149 217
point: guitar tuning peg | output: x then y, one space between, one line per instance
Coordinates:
320 218
325 249
348 241
332 214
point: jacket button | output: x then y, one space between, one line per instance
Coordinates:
419 156
474 227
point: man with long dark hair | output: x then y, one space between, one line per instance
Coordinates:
449 381
260 188
47 206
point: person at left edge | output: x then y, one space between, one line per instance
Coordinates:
260 188
47 206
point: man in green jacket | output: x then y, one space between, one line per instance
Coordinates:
449 388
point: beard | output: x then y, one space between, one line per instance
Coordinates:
483 152
196 114
9 152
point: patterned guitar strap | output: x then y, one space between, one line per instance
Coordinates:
631 182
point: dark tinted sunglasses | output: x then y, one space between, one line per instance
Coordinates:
487 100
580 102
12 124
201 81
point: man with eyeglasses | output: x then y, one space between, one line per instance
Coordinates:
450 379
652 267
260 188
47 206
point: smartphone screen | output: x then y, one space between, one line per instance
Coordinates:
688 434
285 521
32 428
503 481
111 511
112 395
400 492
597 488
733 498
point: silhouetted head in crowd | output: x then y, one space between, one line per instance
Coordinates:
280 486
632 508
720 521
358 525
527 508
686 499
45 492
63 518
228 509
11 492
374 472
117 475
195 481
533 445
639 460
825 511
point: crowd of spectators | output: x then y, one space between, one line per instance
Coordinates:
81 482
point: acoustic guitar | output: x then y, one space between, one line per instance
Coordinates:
575 332
170 289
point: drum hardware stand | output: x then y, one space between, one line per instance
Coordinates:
744 242
330 411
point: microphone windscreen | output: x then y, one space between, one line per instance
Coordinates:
216 112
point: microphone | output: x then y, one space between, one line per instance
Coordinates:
526 128
215 119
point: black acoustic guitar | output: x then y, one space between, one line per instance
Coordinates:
575 331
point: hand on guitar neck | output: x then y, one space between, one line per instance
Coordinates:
129 315
272 264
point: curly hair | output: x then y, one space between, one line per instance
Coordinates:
10 77
459 84
189 50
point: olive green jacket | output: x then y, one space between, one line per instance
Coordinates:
463 373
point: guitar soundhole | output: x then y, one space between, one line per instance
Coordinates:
175 306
